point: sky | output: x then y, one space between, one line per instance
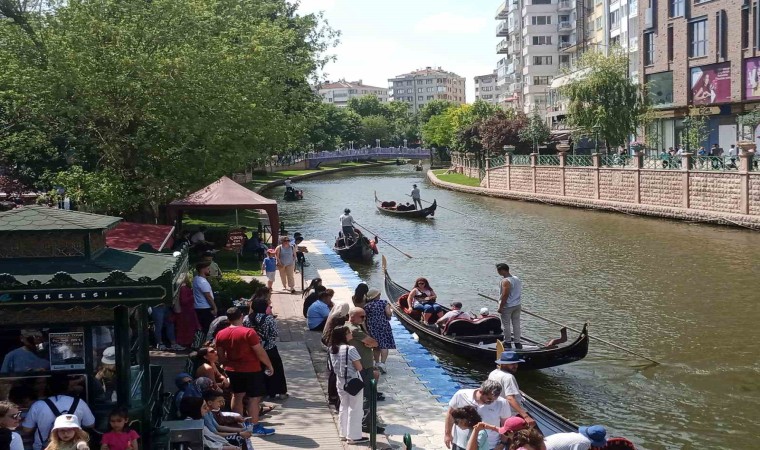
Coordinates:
384 38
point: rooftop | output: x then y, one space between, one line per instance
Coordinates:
343 84
44 218
428 71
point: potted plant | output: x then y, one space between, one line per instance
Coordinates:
563 147
749 120
638 146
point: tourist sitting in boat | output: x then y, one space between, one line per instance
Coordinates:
422 298
484 312
455 313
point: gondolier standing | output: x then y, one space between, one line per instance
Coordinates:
510 299
347 222
416 197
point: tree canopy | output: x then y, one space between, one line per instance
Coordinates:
157 97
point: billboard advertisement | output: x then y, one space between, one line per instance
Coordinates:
752 79
711 84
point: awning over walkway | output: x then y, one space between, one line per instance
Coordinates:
130 235
227 194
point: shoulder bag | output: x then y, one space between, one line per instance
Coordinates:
354 385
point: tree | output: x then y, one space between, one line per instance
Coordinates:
333 127
373 128
696 133
604 97
434 108
368 105
536 131
438 131
503 128
162 96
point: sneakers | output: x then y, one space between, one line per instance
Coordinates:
361 440
259 430
161 347
381 367
178 348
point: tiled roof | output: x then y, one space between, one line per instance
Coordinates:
428 71
44 218
348 85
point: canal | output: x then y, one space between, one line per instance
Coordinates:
684 294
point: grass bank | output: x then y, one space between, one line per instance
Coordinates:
260 181
456 178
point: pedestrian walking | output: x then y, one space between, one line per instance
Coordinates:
346 363
510 300
203 296
379 326
285 255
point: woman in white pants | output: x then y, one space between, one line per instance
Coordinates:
285 255
346 364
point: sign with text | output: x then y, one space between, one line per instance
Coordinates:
67 351
235 240
711 84
752 79
82 295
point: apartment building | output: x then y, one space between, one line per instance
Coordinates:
421 86
486 88
704 54
533 33
340 92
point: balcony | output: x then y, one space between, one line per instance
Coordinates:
565 26
503 10
502 47
564 45
565 5
502 29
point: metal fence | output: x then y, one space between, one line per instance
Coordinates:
521 160
614 160
548 160
497 161
579 160
716 163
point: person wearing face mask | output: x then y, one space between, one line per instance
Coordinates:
25 358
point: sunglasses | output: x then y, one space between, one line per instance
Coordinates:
211 350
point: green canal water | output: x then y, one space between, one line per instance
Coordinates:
684 294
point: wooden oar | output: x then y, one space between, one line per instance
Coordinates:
389 244
578 331
439 206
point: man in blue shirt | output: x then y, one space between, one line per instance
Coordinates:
316 316
25 359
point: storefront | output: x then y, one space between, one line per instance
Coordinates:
70 305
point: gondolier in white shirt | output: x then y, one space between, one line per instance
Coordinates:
510 300
347 222
416 197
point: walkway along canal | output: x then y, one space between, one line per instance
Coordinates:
684 294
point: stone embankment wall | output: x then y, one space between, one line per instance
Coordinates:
724 197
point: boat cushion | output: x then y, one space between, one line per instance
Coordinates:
490 325
403 304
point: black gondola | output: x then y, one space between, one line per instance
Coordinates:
361 249
478 339
418 168
390 209
292 195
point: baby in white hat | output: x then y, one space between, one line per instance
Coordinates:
67 434
484 312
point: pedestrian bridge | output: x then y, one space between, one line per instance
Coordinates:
315 159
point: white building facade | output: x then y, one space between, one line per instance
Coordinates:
487 88
340 92
419 87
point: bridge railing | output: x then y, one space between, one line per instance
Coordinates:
371 152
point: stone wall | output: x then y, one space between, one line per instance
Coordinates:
725 196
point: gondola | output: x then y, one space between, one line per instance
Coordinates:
418 168
361 249
292 195
413 214
477 340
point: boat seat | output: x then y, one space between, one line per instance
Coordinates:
618 443
403 304
484 326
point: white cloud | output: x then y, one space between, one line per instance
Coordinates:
449 23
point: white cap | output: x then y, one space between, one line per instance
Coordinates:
484 311
109 356
66 421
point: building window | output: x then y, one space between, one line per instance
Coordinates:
408 83
721 34
429 81
542 40
670 43
648 49
542 60
677 8
614 19
541 20
541 2
698 38
745 28
564 61
419 90
598 23
541 81
420 98
429 97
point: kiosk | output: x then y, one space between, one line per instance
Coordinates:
69 304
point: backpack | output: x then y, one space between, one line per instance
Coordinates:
72 410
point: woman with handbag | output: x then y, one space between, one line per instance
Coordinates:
346 363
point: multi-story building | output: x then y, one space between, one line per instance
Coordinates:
486 88
509 68
421 86
340 92
700 53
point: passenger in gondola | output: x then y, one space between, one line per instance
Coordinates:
422 298
455 313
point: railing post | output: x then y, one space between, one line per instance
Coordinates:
408 441
488 176
687 162
596 161
638 164
373 414
745 165
533 162
562 164
508 164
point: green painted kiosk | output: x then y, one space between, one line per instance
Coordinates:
71 305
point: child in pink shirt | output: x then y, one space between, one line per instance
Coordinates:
120 437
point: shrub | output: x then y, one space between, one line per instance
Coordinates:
232 287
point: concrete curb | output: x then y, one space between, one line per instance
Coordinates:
691 215
280 182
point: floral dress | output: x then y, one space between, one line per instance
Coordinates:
379 325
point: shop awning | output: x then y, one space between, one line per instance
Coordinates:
130 236
569 78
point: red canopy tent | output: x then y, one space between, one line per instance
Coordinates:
130 235
227 194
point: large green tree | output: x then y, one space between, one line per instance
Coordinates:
162 96
375 127
333 127
536 131
604 98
